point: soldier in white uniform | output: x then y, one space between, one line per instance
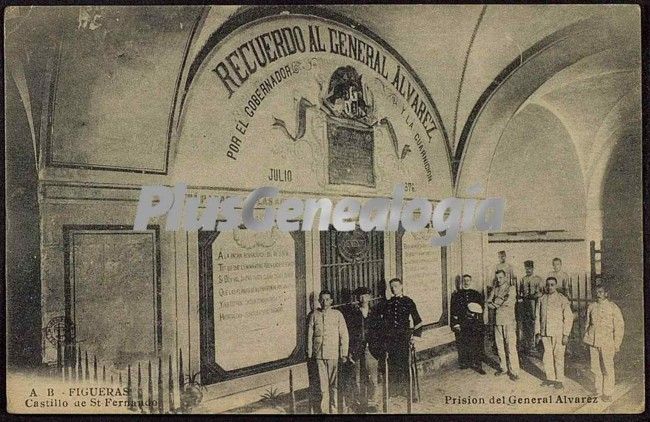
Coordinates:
553 322
503 299
561 276
327 342
605 328
505 267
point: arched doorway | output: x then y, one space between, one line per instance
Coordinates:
318 107
561 123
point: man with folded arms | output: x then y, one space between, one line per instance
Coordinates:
503 299
553 322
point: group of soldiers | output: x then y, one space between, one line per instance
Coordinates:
350 348
538 313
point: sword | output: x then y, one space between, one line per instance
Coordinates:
386 397
410 392
417 375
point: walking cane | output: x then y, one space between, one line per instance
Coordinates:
409 403
337 403
385 382
417 375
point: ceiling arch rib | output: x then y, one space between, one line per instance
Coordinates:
599 64
561 118
517 83
462 75
625 111
507 35
622 123
598 170
583 104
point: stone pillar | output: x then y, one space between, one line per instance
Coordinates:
473 245
594 225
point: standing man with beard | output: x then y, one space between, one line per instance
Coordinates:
467 323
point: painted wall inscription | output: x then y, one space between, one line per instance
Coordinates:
254 297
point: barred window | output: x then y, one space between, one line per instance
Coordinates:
350 260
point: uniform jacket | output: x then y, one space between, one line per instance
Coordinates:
362 331
504 298
553 316
605 325
531 287
397 313
460 314
327 335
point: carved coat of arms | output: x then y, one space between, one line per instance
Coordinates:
351 119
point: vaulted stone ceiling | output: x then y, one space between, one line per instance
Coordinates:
457 51
598 101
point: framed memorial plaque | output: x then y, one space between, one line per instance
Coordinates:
252 290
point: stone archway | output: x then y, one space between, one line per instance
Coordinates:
511 93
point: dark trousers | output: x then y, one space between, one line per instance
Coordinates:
360 381
399 347
526 322
349 387
469 342
314 386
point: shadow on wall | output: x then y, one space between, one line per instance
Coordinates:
622 205
23 238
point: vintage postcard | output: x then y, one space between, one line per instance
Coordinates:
324 209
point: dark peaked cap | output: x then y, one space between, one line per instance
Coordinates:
362 291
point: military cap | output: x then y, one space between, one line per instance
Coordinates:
362 291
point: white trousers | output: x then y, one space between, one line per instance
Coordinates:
505 337
553 358
328 374
602 366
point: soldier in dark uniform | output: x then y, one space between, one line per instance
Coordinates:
397 312
312 370
468 325
347 371
531 290
362 322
